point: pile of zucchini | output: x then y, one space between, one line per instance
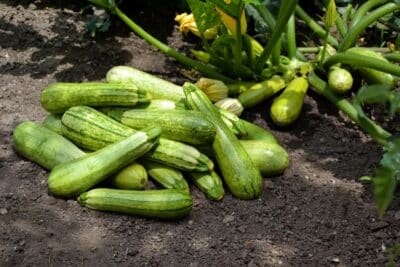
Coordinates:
101 142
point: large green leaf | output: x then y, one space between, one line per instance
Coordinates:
204 14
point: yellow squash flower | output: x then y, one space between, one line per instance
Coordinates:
187 23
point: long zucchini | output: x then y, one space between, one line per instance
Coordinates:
182 125
157 88
163 204
168 177
43 146
240 174
58 97
93 130
76 176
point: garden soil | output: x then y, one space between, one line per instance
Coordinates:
316 214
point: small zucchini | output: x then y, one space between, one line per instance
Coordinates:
76 176
161 204
340 80
286 108
209 183
132 177
261 91
168 177
58 97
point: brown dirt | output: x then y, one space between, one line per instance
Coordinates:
316 214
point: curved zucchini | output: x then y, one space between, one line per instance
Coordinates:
53 122
162 204
240 174
43 146
182 125
76 176
270 158
286 108
93 130
209 183
370 75
157 88
132 177
58 97
168 177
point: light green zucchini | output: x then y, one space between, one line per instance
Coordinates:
209 183
76 176
132 177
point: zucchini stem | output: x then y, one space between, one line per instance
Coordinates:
379 134
291 37
204 69
362 61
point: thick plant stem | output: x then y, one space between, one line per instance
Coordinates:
205 70
360 27
285 11
362 61
379 134
364 9
318 30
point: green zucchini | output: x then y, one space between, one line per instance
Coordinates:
254 132
157 88
270 158
43 146
209 183
340 80
162 204
239 173
261 91
286 108
181 125
168 177
53 122
76 176
58 97
93 130
132 177
370 75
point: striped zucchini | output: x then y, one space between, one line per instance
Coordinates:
43 146
53 122
241 176
209 183
93 130
162 204
182 125
157 88
132 177
49 149
76 176
58 97
168 177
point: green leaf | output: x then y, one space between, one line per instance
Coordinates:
370 94
233 9
395 104
384 186
107 4
204 14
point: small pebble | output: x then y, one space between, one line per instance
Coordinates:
228 219
3 211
